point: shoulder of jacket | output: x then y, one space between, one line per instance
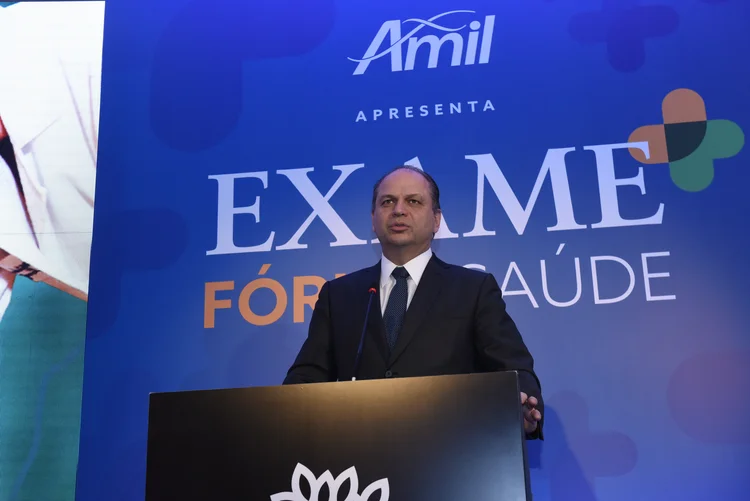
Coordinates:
354 279
463 272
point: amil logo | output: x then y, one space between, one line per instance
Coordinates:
472 49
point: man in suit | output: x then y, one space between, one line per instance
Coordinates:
49 121
427 317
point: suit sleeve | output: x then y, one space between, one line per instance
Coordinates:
315 360
500 346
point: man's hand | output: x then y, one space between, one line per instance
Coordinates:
531 416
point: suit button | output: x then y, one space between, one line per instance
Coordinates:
388 374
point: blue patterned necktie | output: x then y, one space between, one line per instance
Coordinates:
396 308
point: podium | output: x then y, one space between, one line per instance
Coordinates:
436 438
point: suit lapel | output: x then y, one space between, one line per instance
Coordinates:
424 298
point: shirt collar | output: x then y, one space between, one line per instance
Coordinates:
415 267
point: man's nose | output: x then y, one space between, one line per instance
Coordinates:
399 207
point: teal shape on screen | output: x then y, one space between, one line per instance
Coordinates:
695 172
41 375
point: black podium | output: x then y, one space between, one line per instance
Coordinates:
457 438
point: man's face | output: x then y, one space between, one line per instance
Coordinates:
403 215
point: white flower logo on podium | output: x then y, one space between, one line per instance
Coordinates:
334 484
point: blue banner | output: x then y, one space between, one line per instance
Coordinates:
591 155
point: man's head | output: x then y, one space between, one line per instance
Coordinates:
405 212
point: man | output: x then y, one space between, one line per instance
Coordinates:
430 318
49 121
50 59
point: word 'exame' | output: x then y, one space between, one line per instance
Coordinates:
488 173
223 295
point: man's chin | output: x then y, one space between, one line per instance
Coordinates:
400 241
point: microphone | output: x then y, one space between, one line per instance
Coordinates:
372 293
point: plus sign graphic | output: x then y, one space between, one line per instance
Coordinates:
201 55
625 28
688 141
581 453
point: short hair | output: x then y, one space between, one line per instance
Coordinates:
434 190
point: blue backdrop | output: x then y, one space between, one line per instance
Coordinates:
240 141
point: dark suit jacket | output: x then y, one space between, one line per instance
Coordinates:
456 324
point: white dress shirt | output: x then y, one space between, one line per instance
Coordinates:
415 267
